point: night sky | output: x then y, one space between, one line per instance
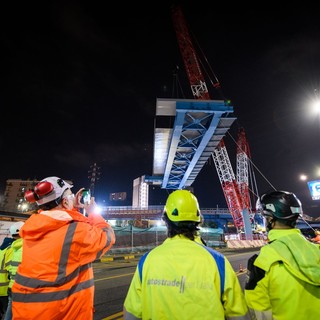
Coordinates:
80 81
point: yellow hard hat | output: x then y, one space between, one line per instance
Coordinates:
182 205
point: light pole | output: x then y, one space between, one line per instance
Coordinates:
94 174
132 238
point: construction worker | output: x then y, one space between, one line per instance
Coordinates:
4 278
55 279
182 278
316 239
284 279
12 261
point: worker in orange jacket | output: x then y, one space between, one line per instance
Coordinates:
55 278
316 239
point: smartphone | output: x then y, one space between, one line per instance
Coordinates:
85 196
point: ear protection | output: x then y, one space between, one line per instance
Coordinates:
40 190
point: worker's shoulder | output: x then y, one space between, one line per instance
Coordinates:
184 248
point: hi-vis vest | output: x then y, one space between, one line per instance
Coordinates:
4 279
217 256
55 278
183 279
14 256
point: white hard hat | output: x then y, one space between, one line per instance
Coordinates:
47 190
15 228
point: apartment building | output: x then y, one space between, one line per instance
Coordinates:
13 200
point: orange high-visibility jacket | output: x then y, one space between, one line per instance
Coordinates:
55 278
316 238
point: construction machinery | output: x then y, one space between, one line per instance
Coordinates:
235 188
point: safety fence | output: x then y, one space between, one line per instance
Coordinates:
131 239
237 244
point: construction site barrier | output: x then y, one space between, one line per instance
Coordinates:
235 244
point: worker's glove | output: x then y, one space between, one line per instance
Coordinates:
254 274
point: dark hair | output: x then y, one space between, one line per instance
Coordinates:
187 228
48 206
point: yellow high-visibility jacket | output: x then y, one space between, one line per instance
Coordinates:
55 278
4 276
183 279
284 279
13 259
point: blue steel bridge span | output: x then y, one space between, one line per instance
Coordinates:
155 212
186 133
131 213
220 215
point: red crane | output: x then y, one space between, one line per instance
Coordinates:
190 58
236 192
229 184
243 157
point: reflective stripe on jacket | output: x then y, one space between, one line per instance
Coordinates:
284 281
218 257
4 279
181 280
55 279
13 260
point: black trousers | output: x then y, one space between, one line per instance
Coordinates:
3 305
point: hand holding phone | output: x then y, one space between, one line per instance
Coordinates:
82 198
85 197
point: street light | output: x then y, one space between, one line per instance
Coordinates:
315 103
303 177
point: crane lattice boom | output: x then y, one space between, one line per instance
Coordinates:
236 197
196 79
243 154
229 184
